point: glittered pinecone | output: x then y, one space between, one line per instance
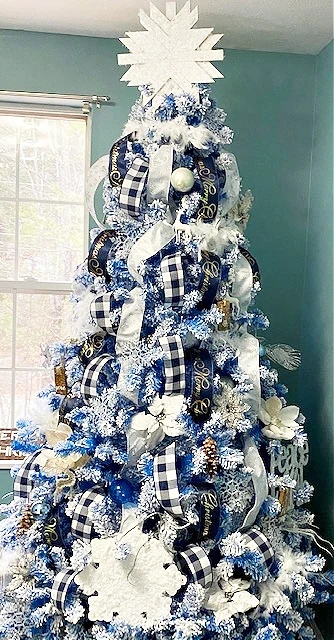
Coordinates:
26 521
211 455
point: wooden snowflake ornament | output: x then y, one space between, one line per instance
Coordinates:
170 55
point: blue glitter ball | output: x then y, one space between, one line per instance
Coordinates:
262 350
121 491
40 510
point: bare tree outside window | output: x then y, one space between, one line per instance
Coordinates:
42 239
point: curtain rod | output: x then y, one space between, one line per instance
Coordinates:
27 97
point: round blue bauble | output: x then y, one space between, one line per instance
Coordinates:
121 491
40 509
262 350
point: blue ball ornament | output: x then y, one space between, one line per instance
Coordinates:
40 509
121 491
262 350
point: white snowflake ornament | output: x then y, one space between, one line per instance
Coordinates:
137 588
184 54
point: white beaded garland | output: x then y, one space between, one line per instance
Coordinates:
182 179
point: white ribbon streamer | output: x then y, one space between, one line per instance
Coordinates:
147 246
248 360
96 173
159 173
129 333
243 283
259 479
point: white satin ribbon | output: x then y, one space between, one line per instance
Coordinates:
129 333
243 283
96 173
159 173
254 461
148 245
248 360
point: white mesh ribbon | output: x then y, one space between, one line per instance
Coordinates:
148 245
159 173
254 461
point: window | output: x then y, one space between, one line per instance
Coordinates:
42 239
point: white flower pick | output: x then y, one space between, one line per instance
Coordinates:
160 420
280 422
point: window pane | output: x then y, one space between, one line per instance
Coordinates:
7 240
50 241
6 330
8 127
5 398
40 319
52 159
27 385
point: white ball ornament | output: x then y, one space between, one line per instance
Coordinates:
182 179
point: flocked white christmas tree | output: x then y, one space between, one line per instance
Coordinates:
162 494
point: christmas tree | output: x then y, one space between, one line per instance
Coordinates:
161 495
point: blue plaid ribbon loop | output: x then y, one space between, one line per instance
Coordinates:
172 275
256 541
81 525
91 376
133 186
101 312
60 587
196 564
23 482
175 369
165 481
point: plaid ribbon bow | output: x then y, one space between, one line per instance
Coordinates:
133 186
23 482
256 541
197 565
61 585
91 376
165 481
81 525
175 369
100 310
172 275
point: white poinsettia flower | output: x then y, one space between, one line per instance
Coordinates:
229 598
59 433
55 464
280 422
160 419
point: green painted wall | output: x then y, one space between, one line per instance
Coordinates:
269 98
316 376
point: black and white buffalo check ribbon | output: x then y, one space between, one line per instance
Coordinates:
197 565
91 376
81 525
133 186
61 585
172 275
175 369
23 482
101 309
255 540
165 481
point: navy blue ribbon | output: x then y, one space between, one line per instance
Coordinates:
91 348
200 364
117 165
99 253
207 173
253 265
208 511
209 278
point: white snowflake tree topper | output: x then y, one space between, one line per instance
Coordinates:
170 55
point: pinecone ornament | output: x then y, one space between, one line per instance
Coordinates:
26 521
211 455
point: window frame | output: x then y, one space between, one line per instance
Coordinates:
31 286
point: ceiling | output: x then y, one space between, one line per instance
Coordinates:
293 26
